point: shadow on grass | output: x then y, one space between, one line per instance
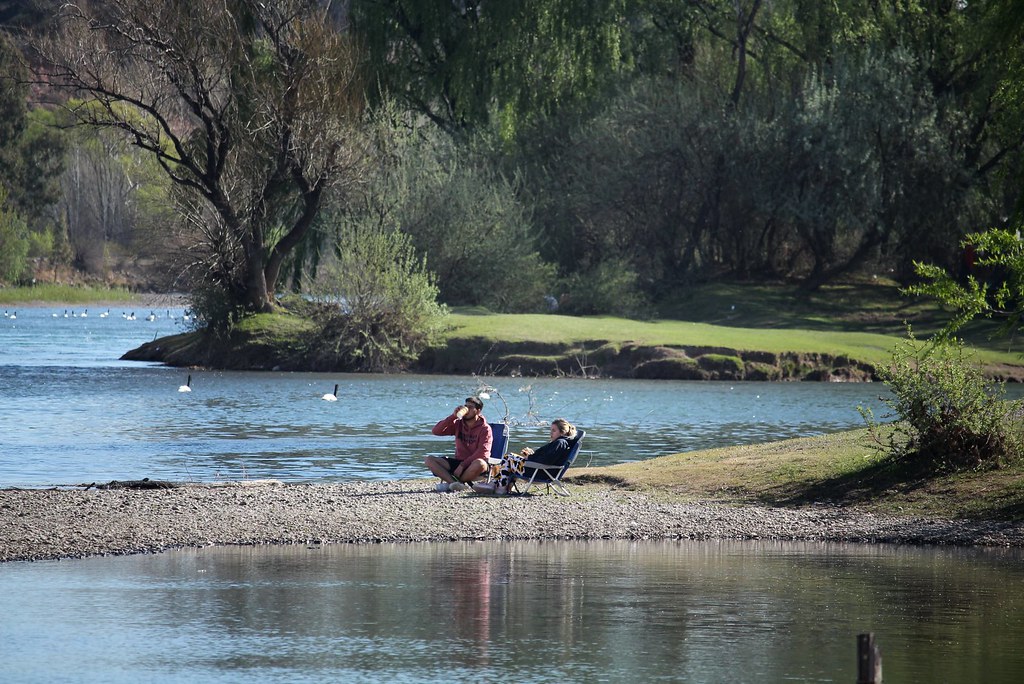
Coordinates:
863 486
862 307
912 484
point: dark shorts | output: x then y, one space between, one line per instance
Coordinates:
454 463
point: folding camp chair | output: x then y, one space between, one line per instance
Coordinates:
499 442
550 475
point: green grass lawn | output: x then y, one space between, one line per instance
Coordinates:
871 347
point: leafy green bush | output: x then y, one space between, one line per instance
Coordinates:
949 417
610 287
41 243
381 303
214 308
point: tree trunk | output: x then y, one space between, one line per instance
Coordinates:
259 298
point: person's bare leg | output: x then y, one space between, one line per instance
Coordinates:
439 467
471 471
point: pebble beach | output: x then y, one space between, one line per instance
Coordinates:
50 524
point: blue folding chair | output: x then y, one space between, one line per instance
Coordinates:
550 475
499 442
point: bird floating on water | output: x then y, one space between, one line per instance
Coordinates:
331 397
187 387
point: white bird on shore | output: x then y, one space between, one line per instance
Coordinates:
187 387
331 397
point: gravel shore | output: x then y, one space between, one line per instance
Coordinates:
53 524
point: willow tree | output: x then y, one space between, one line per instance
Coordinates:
250 108
465 63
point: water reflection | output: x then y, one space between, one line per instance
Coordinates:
616 611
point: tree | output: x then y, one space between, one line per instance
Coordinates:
464 64
250 108
460 213
31 148
111 192
14 244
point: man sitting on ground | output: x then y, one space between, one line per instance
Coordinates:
472 447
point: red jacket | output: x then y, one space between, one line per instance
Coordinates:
470 442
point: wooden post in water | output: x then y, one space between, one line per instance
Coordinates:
869 660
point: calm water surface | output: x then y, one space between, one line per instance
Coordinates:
540 612
73 413
697 612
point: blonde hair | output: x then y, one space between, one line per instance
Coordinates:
565 427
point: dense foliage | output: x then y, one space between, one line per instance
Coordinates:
989 282
599 154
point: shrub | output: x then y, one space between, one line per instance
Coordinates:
214 308
949 417
41 243
382 308
610 287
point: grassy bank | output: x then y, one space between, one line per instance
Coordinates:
859 321
870 347
839 469
65 294
714 325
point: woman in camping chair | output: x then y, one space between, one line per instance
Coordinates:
552 453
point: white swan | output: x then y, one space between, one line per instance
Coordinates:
14 315
331 397
151 317
187 387
104 314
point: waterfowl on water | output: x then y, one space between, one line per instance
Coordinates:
187 387
331 397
